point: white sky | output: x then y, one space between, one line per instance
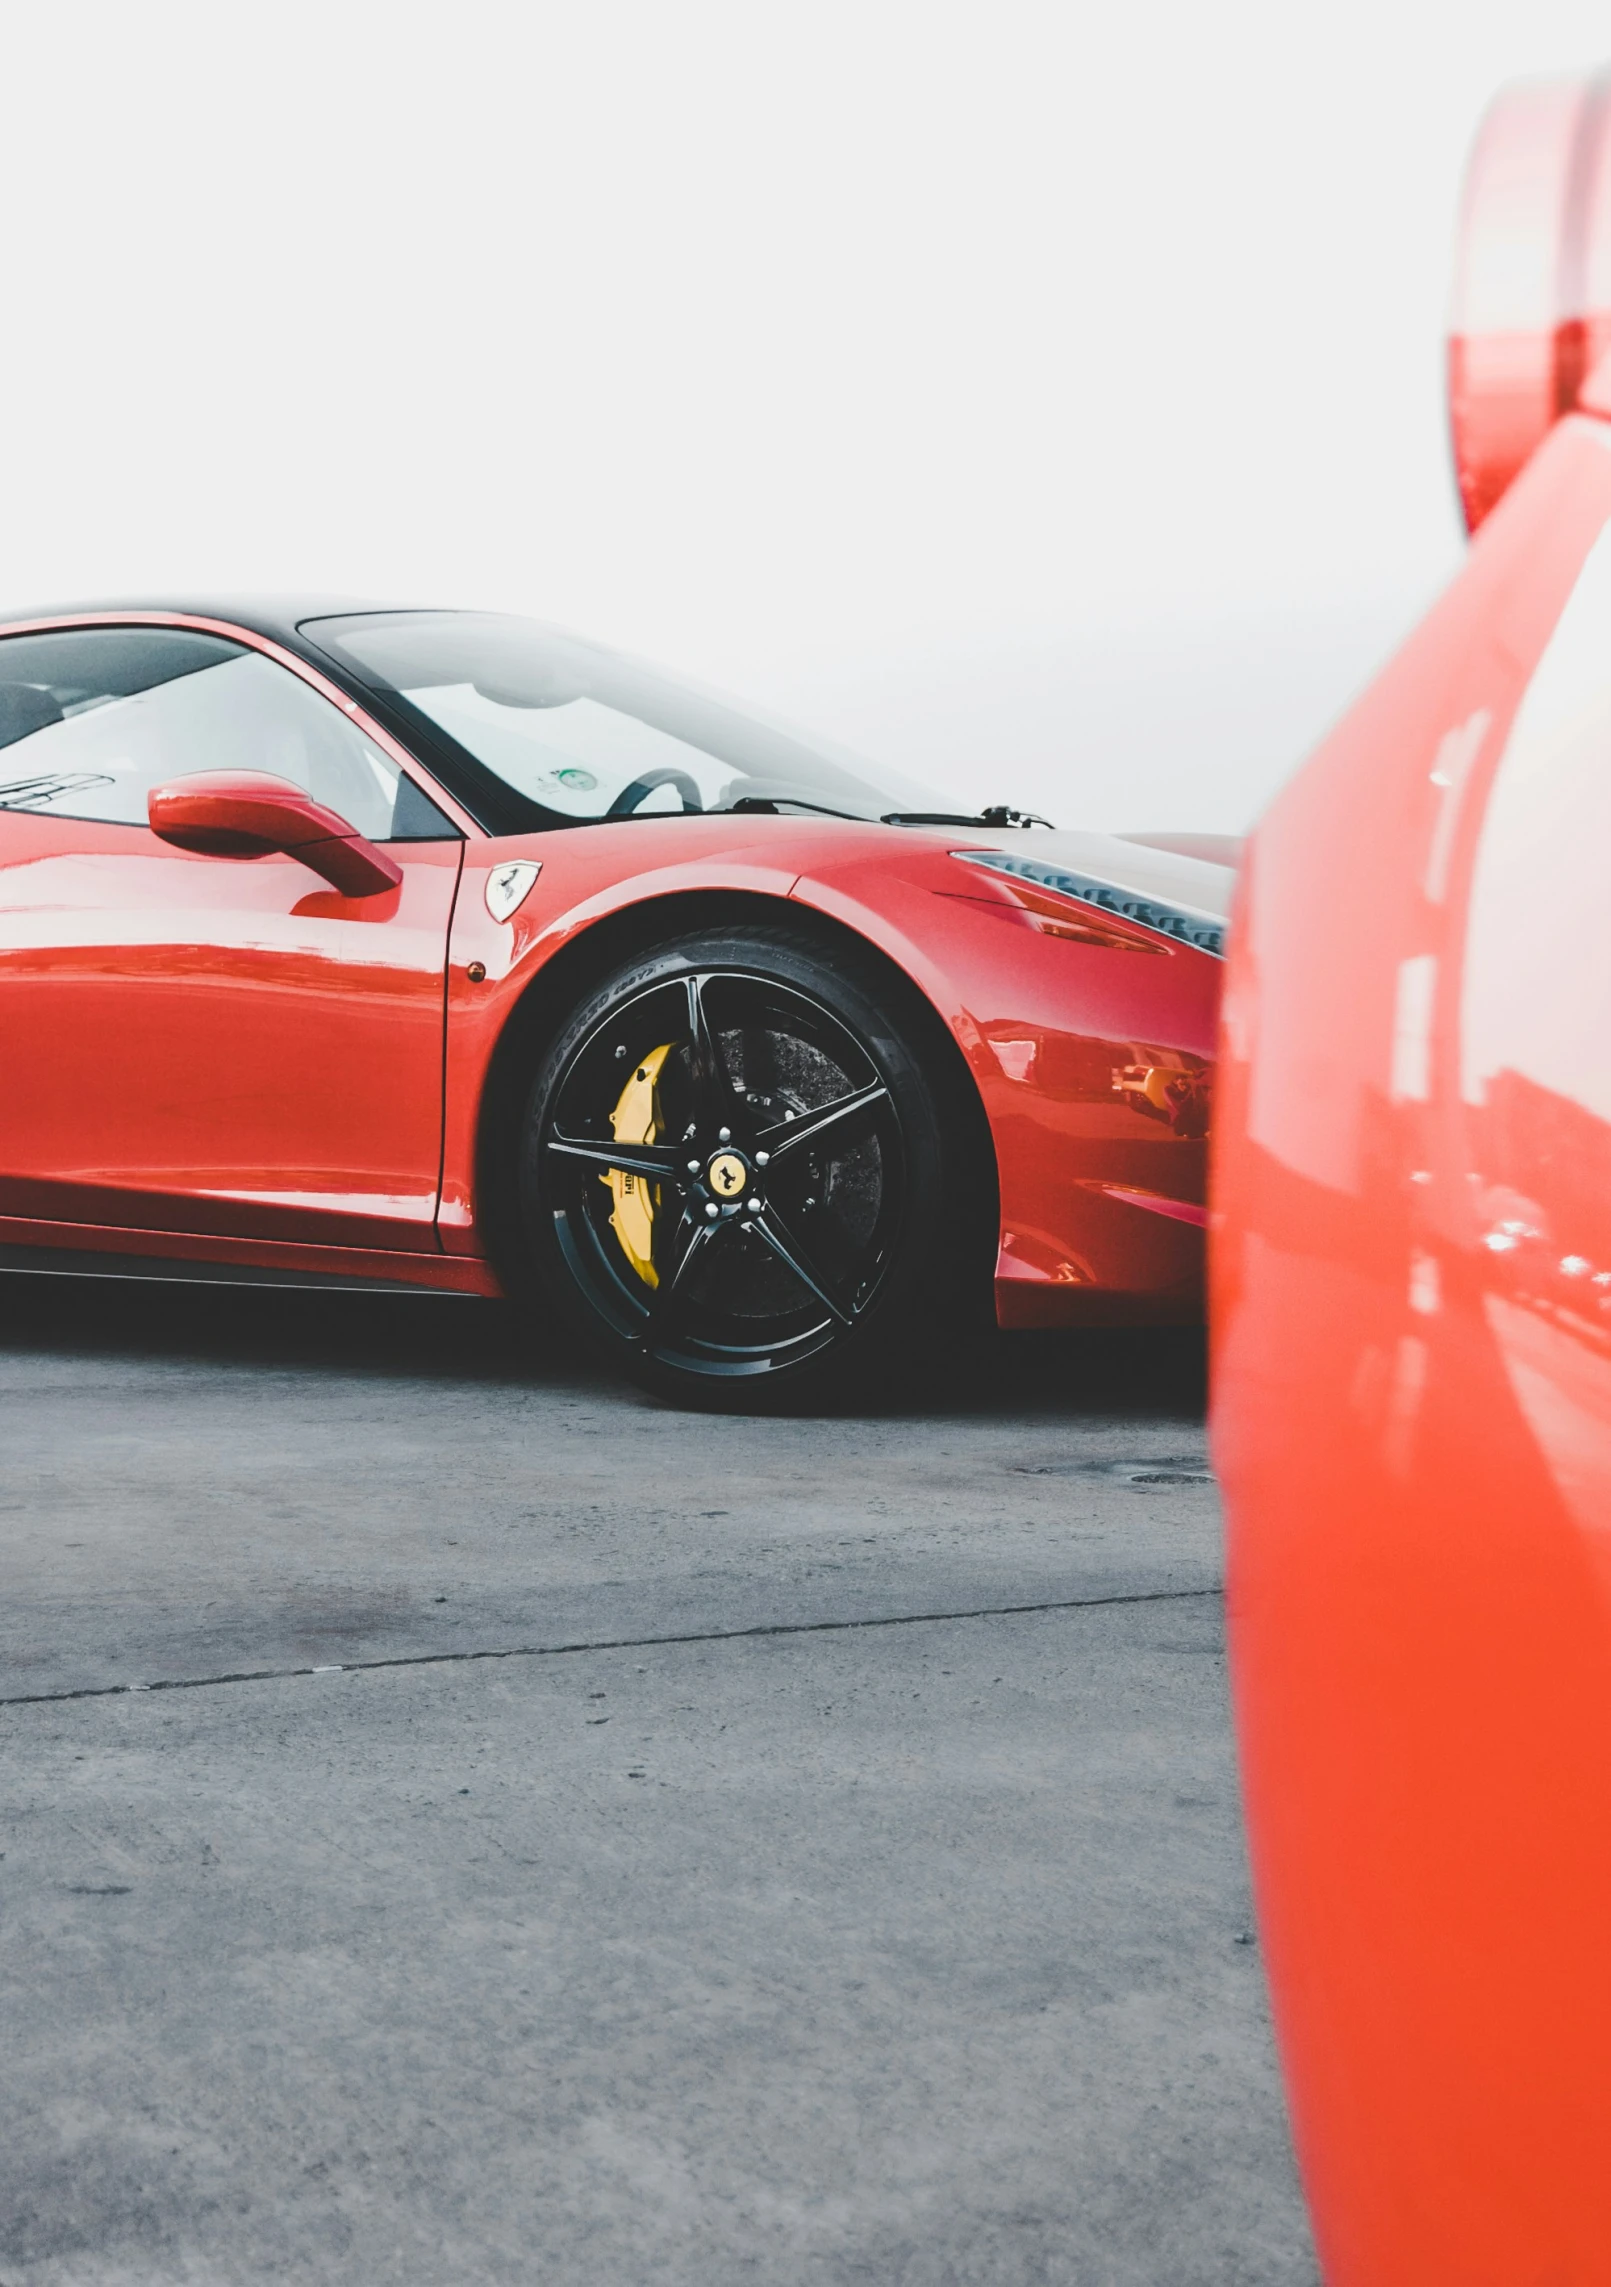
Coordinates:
1048 398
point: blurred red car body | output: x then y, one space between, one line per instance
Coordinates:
1412 1324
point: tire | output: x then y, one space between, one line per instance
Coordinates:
811 1200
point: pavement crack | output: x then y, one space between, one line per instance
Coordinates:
612 1644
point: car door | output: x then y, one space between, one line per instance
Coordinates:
202 1044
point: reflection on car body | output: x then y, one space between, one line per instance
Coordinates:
543 869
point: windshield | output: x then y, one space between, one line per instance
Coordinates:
584 733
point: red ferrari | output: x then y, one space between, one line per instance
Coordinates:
1413 1324
443 949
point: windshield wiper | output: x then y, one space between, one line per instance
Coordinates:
773 806
997 815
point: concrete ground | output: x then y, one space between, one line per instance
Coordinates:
463 1822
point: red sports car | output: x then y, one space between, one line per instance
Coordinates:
445 949
1413 1324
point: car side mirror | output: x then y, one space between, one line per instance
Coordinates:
249 813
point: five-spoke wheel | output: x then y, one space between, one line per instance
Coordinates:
732 1165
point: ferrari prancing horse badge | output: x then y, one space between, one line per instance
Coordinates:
727 1174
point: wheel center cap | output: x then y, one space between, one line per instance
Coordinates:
727 1174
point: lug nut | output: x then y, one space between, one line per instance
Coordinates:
761 1158
724 1135
754 1207
693 1167
712 1211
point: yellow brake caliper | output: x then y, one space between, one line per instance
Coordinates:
636 1119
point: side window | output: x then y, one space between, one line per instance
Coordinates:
92 718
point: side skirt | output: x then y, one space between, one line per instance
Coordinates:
82 1250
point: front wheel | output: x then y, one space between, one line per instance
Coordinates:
744 1177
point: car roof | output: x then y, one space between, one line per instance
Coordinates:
272 615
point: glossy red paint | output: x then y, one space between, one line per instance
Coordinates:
1053 1032
1531 318
1412 1420
1062 1038
248 814
211 1046
227 1058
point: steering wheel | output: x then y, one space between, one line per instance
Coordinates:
630 796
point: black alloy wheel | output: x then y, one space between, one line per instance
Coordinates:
734 1171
